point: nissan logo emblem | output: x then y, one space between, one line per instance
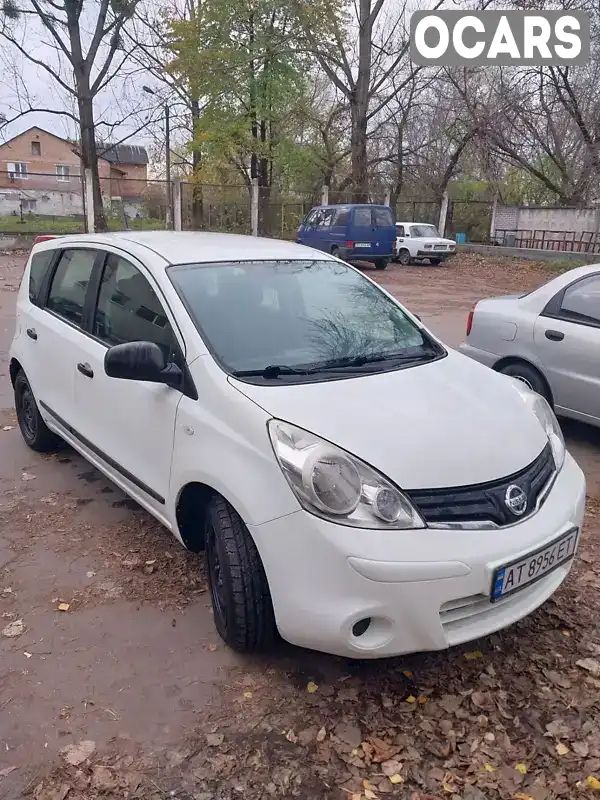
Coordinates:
515 500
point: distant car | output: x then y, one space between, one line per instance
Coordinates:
417 240
351 232
549 339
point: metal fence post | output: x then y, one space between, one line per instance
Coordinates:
324 195
493 220
443 214
388 198
254 206
177 204
89 201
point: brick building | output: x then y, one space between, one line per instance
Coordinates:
41 173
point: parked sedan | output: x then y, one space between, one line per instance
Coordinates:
356 486
549 339
417 241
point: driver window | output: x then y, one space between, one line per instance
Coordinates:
128 309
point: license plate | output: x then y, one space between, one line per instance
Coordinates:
362 244
527 570
439 247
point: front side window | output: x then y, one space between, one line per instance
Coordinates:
325 218
37 272
298 320
310 219
424 231
128 309
581 301
69 284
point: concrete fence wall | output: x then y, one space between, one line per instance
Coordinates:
532 218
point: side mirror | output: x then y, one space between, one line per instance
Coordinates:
141 361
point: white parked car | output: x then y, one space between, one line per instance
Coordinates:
357 486
548 338
418 240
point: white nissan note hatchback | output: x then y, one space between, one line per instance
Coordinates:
357 487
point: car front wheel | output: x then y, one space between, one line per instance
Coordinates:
241 601
33 428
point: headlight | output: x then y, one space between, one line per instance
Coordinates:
547 419
334 485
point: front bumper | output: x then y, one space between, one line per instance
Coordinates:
423 590
435 253
354 254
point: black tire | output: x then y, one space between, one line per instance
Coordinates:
381 263
529 375
242 607
403 257
33 428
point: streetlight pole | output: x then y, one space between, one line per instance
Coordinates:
148 90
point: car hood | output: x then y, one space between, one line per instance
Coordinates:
450 422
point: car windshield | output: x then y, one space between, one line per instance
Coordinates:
422 231
298 320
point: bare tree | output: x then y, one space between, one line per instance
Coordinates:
82 64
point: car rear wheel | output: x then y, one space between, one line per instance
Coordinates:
33 428
403 256
529 376
241 600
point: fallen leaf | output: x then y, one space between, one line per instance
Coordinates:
407 672
522 768
349 734
6 771
8 428
76 754
291 736
63 606
474 654
311 687
247 695
26 654
592 783
356 796
411 699
489 768
369 795
562 749
391 767
15 628
214 739
90 573
321 735
522 796
566 633
395 778
27 476
581 748
589 664
421 699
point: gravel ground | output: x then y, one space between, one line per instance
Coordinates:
115 684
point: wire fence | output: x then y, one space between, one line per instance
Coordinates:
55 202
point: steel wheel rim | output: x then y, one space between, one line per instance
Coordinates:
27 412
525 381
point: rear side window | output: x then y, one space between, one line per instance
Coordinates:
382 218
69 284
581 301
37 272
362 217
400 230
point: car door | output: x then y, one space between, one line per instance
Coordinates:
127 424
323 239
53 323
307 232
361 229
339 229
567 338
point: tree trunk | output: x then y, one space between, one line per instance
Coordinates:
197 198
399 177
359 106
89 157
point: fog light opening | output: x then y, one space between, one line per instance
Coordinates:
360 627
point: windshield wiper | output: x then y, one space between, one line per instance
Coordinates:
272 371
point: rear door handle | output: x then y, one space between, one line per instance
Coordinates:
554 336
31 332
85 369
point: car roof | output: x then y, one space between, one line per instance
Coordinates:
416 223
352 205
185 247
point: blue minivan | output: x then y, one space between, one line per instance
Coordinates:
351 232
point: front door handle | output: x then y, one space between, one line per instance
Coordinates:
85 369
554 336
32 333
